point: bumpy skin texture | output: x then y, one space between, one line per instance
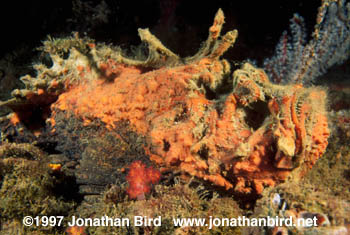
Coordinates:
254 136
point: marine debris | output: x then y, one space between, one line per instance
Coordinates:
235 130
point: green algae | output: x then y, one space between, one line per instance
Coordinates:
168 202
28 187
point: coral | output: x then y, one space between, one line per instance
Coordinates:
140 179
241 135
299 62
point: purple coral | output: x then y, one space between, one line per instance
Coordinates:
298 61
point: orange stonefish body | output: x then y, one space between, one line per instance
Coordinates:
239 132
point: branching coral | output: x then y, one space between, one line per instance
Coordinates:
242 140
299 61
